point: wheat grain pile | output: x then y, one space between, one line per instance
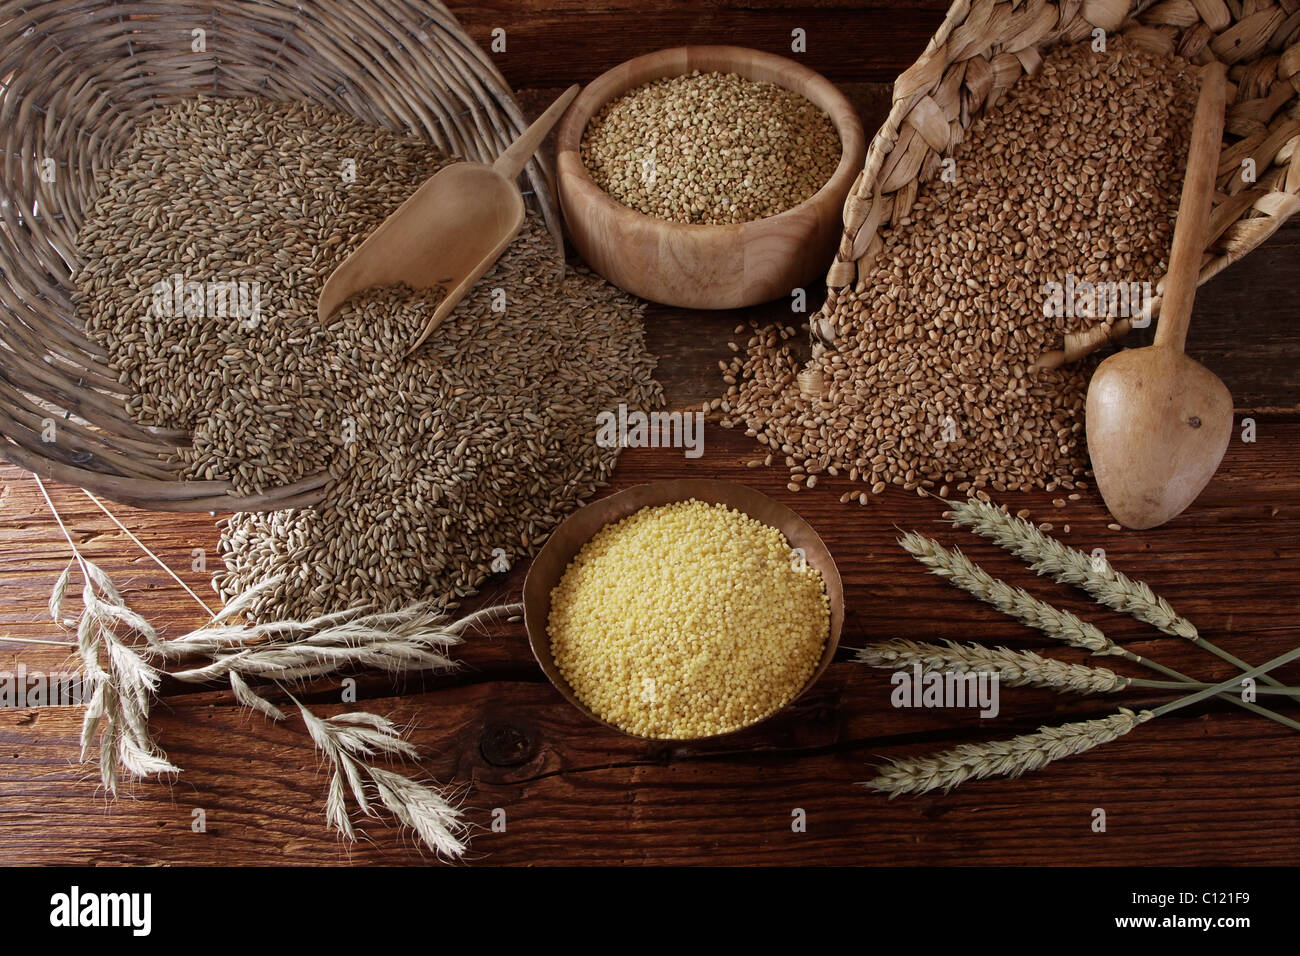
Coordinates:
710 148
929 379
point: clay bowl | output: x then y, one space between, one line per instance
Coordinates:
706 267
568 539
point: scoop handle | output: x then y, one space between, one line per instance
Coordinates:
512 162
1193 223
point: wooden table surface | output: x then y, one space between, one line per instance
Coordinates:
1208 785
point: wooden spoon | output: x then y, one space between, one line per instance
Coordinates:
1158 422
450 232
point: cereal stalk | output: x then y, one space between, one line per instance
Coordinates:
124 686
1019 755
1013 668
962 572
414 638
1261 671
409 639
1185 686
1007 758
348 742
1023 668
1093 575
153 557
1060 625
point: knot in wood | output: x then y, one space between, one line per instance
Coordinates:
506 745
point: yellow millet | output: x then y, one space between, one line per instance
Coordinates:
686 620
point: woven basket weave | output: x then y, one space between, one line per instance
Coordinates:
75 76
983 47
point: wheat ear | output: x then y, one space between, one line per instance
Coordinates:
1022 668
1018 755
1007 758
962 572
1014 668
1060 625
1093 575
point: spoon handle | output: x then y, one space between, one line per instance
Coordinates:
1192 225
511 163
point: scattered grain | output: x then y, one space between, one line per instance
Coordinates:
924 368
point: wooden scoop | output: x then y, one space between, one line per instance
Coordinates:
450 232
1158 422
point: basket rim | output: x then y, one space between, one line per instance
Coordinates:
1030 30
455 96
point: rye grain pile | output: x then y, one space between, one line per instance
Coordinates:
930 381
443 465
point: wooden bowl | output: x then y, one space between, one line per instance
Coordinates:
568 539
695 266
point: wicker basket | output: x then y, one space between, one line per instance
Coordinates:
74 79
983 47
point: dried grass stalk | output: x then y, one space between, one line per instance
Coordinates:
125 685
348 742
414 638
124 682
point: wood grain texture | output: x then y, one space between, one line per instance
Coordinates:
866 41
1210 785
706 266
1190 788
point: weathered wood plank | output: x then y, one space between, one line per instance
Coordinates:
576 792
873 41
1198 787
1193 790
